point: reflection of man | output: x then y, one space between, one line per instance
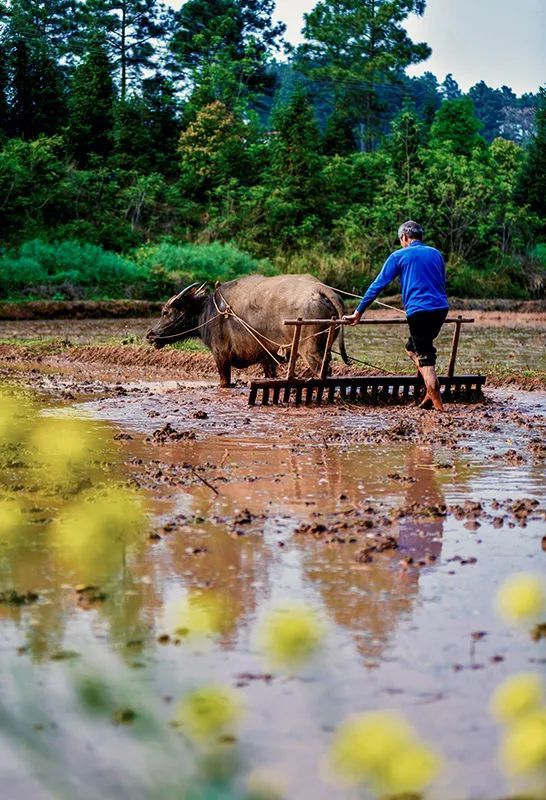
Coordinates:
420 534
422 276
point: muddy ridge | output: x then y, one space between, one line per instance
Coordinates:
144 362
95 309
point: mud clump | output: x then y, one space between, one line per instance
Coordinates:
378 545
169 434
14 598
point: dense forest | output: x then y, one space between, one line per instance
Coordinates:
142 146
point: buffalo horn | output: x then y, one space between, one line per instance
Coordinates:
188 290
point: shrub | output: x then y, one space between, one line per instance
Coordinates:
201 262
73 268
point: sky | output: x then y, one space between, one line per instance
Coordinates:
498 41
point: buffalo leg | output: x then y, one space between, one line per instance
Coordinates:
224 368
270 369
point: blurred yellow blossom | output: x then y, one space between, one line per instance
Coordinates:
12 519
263 785
92 533
410 771
289 635
524 747
209 712
522 597
68 451
381 749
518 695
195 616
17 416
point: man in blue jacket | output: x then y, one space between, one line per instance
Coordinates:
422 274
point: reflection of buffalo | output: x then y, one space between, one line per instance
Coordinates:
242 321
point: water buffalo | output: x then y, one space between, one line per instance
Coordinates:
263 303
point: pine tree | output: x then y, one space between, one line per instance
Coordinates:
403 145
457 126
32 43
360 48
4 109
222 47
339 138
128 29
488 104
294 181
531 187
450 88
162 116
37 99
91 105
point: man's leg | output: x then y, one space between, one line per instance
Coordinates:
424 327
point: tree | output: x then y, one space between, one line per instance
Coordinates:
91 105
531 186
146 128
212 150
457 126
403 146
293 185
4 109
339 137
35 89
489 107
131 30
424 90
450 88
223 47
358 47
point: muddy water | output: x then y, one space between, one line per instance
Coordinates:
402 627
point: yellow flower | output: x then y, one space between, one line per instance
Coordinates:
209 712
92 533
517 696
290 635
195 616
381 749
409 771
67 451
17 414
12 520
524 747
363 743
522 597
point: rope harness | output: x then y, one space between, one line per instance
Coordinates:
229 312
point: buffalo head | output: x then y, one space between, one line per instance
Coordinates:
179 316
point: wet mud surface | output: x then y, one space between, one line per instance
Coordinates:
397 524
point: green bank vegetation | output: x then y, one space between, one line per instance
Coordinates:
142 150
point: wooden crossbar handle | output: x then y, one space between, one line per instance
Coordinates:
362 321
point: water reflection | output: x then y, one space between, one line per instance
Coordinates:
372 599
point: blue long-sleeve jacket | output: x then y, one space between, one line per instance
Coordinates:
422 274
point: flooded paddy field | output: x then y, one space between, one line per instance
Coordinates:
395 527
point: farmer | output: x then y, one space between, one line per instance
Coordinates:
422 276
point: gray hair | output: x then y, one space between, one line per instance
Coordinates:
411 229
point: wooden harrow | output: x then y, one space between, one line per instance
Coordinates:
360 389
